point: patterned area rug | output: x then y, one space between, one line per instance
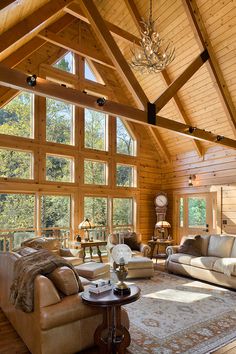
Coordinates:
177 315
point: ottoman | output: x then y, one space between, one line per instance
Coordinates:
140 267
93 270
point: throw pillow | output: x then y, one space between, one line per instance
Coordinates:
191 246
64 280
24 251
131 241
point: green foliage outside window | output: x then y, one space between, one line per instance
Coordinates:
95 130
95 209
55 211
122 211
17 211
124 141
59 169
124 175
15 164
94 172
196 212
66 63
59 124
16 117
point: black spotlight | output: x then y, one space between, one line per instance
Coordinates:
219 137
31 80
101 101
191 129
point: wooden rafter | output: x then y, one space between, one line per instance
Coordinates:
17 80
5 4
176 85
75 48
214 68
75 10
114 52
156 138
31 23
137 19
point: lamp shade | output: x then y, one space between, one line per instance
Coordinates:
121 254
162 224
86 225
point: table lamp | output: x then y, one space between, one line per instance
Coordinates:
162 225
86 225
121 254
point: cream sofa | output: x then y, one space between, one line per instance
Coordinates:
216 264
60 325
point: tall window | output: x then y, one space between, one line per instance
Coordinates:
125 176
60 122
95 172
16 117
95 209
59 169
122 212
66 63
95 136
125 144
55 212
16 164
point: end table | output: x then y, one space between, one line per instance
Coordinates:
160 245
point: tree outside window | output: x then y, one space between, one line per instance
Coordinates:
95 172
59 169
16 117
125 175
95 135
66 63
55 211
125 144
95 209
122 211
15 164
59 122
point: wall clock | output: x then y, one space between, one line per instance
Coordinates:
161 202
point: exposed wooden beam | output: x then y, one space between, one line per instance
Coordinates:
114 52
75 48
75 10
17 80
137 19
214 68
176 85
157 141
4 4
31 23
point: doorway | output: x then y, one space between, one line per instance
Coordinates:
196 214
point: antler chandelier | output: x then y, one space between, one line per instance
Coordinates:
152 56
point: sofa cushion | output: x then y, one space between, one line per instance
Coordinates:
203 262
92 270
140 263
233 251
205 243
220 246
191 246
48 243
64 280
181 258
226 266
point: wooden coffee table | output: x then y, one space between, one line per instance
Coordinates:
117 337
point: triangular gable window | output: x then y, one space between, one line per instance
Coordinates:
66 63
125 143
91 74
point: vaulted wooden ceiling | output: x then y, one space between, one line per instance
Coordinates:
197 89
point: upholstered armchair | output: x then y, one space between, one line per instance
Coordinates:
75 257
132 239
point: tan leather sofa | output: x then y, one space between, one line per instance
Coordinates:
216 264
57 325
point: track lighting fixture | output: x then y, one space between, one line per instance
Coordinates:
191 129
101 101
31 80
219 137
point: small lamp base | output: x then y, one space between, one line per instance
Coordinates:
120 292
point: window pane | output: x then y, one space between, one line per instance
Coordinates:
95 130
181 212
88 72
94 172
124 141
122 211
15 164
124 176
17 211
16 117
95 209
196 212
55 211
59 169
66 63
59 126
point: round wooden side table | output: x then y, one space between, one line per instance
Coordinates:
111 336
158 244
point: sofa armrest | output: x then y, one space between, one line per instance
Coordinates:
45 293
171 250
145 249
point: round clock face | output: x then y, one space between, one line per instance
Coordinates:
161 200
